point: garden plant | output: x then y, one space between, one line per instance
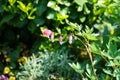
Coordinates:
59 40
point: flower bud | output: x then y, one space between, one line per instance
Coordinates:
47 32
52 37
61 39
70 39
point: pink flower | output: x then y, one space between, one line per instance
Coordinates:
52 37
3 77
70 39
61 39
47 32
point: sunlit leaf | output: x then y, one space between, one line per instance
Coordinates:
11 2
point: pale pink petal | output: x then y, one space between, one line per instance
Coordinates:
52 37
61 40
47 32
70 39
3 77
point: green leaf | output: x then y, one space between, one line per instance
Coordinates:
6 19
80 3
22 7
82 18
39 21
88 34
79 8
112 48
41 7
95 48
77 67
51 4
11 2
25 9
117 73
89 72
75 26
29 6
61 17
51 14
97 59
31 12
106 55
117 54
110 63
86 10
108 71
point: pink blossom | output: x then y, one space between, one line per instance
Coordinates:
3 77
52 37
61 39
47 32
70 39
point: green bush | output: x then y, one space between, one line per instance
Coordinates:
47 66
90 22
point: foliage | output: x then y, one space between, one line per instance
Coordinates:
46 66
104 60
89 28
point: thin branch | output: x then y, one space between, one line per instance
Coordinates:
90 56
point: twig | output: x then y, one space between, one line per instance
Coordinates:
91 59
90 56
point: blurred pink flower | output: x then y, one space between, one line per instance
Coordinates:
61 40
47 32
3 77
52 37
70 39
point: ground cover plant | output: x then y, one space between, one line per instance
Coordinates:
65 39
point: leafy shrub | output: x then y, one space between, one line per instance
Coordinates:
104 60
47 65
93 22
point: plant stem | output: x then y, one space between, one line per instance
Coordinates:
90 56
91 59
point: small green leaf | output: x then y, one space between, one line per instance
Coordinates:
11 2
82 19
80 4
97 59
62 17
86 10
108 71
51 14
77 67
117 73
88 34
75 26
110 63
22 6
51 4
30 15
95 48
79 8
